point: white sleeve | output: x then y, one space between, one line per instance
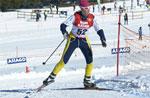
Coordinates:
70 20
96 25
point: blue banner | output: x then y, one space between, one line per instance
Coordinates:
16 60
121 50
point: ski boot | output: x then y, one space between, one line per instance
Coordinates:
50 79
88 83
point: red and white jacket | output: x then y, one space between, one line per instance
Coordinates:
80 25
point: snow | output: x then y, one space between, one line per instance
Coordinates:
37 40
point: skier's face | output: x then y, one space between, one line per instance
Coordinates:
85 10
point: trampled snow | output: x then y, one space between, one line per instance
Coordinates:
21 37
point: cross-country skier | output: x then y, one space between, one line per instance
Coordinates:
81 20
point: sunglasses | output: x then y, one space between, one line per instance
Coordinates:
85 8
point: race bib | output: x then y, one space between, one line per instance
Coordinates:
81 31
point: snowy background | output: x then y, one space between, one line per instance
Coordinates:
21 37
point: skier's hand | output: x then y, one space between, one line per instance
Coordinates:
65 35
104 44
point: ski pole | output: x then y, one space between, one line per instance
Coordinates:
53 52
95 44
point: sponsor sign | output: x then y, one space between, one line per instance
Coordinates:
121 50
16 60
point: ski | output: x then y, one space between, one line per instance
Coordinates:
83 88
42 86
97 88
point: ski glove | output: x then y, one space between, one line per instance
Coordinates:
63 30
104 44
65 35
102 37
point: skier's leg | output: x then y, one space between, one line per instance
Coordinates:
87 52
68 50
88 70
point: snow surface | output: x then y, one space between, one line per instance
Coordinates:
36 40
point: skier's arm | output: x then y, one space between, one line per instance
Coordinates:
66 23
100 32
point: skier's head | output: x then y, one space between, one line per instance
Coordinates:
84 5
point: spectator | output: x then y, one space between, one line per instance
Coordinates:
38 15
74 6
138 2
57 9
124 5
120 9
51 8
45 15
115 6
103 9
140 33
93 8
126 19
